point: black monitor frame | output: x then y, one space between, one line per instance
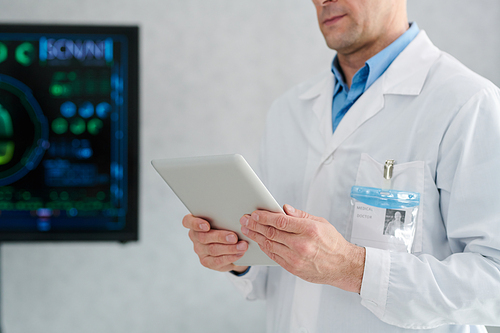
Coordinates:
131 229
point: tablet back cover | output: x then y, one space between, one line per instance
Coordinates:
220 189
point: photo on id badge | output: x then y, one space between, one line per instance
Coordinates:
394 220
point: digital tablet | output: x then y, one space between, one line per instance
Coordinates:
220 189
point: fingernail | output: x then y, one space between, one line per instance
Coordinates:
231 239
290 209
255 216
241 246
203 227
244 220
244 230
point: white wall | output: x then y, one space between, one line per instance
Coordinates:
210 70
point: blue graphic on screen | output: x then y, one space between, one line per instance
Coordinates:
63 132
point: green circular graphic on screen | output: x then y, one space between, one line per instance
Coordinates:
94 126
59 125
25 54
77 126
24 130
6 137
3 52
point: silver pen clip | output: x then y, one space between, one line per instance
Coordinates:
388 169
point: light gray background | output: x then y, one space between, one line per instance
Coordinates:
210 70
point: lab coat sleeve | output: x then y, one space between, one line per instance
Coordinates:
251 285
420 292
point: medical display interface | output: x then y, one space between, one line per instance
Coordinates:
64 131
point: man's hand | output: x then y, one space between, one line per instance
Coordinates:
217 249
307 246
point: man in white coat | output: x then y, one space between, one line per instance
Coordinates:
391 94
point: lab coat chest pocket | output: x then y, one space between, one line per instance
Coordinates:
408 176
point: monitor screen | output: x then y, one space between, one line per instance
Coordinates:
68 132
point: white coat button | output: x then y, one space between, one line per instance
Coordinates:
303 330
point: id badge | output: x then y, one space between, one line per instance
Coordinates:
383 219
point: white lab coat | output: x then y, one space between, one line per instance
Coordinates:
441 123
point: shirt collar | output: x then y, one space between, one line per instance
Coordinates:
339 76
377 64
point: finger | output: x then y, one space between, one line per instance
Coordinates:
195 223
221 263
216 250
213 236
270 247
291 211
277 258
277 220
269 232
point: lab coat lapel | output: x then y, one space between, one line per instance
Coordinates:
405 76
369 104
321 95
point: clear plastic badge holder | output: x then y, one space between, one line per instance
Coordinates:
383 219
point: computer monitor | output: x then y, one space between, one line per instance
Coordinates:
68 133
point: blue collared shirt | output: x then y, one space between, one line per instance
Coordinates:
343 97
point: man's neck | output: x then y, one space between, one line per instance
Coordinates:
351 62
